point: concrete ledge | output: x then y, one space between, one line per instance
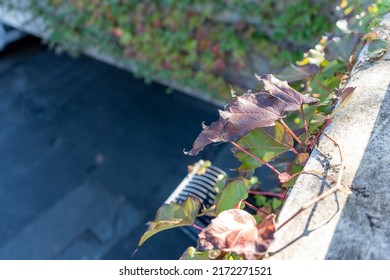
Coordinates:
355 226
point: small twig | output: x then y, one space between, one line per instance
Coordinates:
307 171
337 187
255 157
294 151
197 227
289 131
321 152
278 195
323 86
332 180
340 176
304 122
322 128
255 208
338 147
309 204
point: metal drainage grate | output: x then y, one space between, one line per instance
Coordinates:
200 185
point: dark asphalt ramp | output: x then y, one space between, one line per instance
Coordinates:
87 155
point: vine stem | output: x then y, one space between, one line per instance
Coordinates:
304 122
309 204
291 133
320 132
323 86
255 157
278 195
294 151
197 227
255 208
337 187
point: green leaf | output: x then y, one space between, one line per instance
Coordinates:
316 121
232 257
265 143
231 194
293 73
334 66
192 254
173 215
297 166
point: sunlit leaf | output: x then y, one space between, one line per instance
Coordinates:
265 143
343 96
300 162
236 231
232 257
241 115
293 73
280 89
192 254
173 215
232 193
316 121
296 167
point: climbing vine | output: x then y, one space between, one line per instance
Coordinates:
276 118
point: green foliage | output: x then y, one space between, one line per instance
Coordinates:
192 254
267 123
172 215
195 43
266 143
231 194
264 201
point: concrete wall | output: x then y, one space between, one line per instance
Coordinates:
355 226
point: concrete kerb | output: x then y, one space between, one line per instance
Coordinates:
341 226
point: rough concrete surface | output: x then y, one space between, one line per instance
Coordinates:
355 226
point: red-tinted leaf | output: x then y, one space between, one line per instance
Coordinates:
250 111
280 89
266 231
236 231
241 115
210 134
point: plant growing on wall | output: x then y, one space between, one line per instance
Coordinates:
263 124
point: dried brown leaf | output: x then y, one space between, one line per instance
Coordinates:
236 231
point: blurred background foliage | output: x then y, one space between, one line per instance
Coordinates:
199 44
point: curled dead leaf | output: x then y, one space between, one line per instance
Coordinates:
236 231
